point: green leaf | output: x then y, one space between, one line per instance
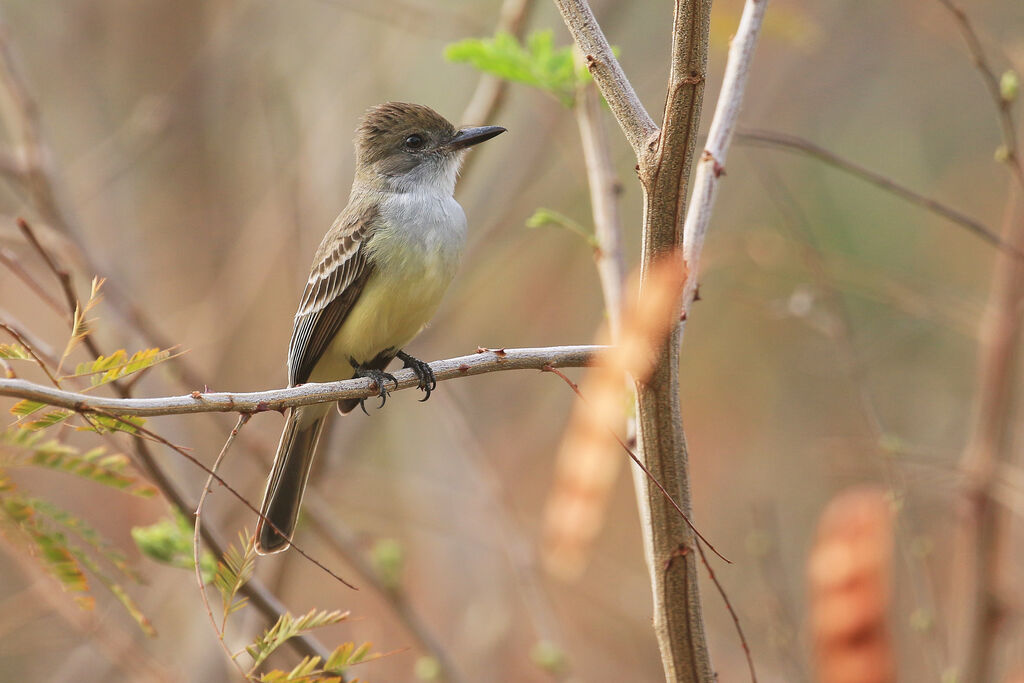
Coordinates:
25 407
113 470
169 542
104 424
233 571
49 548
388 559
48 420
14 352
87 533
288 627
107 369
549 217
538 63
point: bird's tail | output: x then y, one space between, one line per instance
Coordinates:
287 480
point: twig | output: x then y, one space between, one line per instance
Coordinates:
986 449
484 361
197 565
637 125
35 357
747 136
322 520
986 524
732 612
604 203
711 166
988 75
575 387
11 261
230 489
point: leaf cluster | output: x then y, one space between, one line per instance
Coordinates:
537 62
65 546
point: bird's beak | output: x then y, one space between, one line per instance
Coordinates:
468 137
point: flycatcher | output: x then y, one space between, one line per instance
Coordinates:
377 278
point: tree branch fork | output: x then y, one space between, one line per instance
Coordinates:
482 362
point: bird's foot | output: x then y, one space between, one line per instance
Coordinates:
380 378
422 371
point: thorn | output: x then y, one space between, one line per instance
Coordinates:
696 293
262 407
591 63
197 394
500 353
680 551
464 368
481 349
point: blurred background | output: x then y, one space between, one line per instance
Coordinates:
203 147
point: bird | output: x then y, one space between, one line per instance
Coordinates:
377 278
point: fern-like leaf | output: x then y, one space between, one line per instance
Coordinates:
49 548
288 627
109 469
26 407
104 424
80 321
233 571
106 369
14 352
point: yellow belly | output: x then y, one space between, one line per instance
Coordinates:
389 313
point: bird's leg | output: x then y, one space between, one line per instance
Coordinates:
379 377
422 371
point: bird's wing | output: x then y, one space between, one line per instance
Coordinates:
339 273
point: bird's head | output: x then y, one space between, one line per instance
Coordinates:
409 146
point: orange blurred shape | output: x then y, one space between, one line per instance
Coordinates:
589 458
848 575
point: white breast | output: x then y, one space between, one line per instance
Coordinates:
414 253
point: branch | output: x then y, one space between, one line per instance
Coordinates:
988 75
637 125
797 144
481 362
711 166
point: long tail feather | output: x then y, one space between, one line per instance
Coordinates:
287 480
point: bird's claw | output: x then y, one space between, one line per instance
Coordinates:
423 372
380 378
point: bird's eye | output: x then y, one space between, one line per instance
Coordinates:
414 141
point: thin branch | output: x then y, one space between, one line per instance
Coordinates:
988 75
987 525
637 125
986 449
711 166
196 555
746 136
35 357
732 613
605 189
323 522
481 362
10 260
